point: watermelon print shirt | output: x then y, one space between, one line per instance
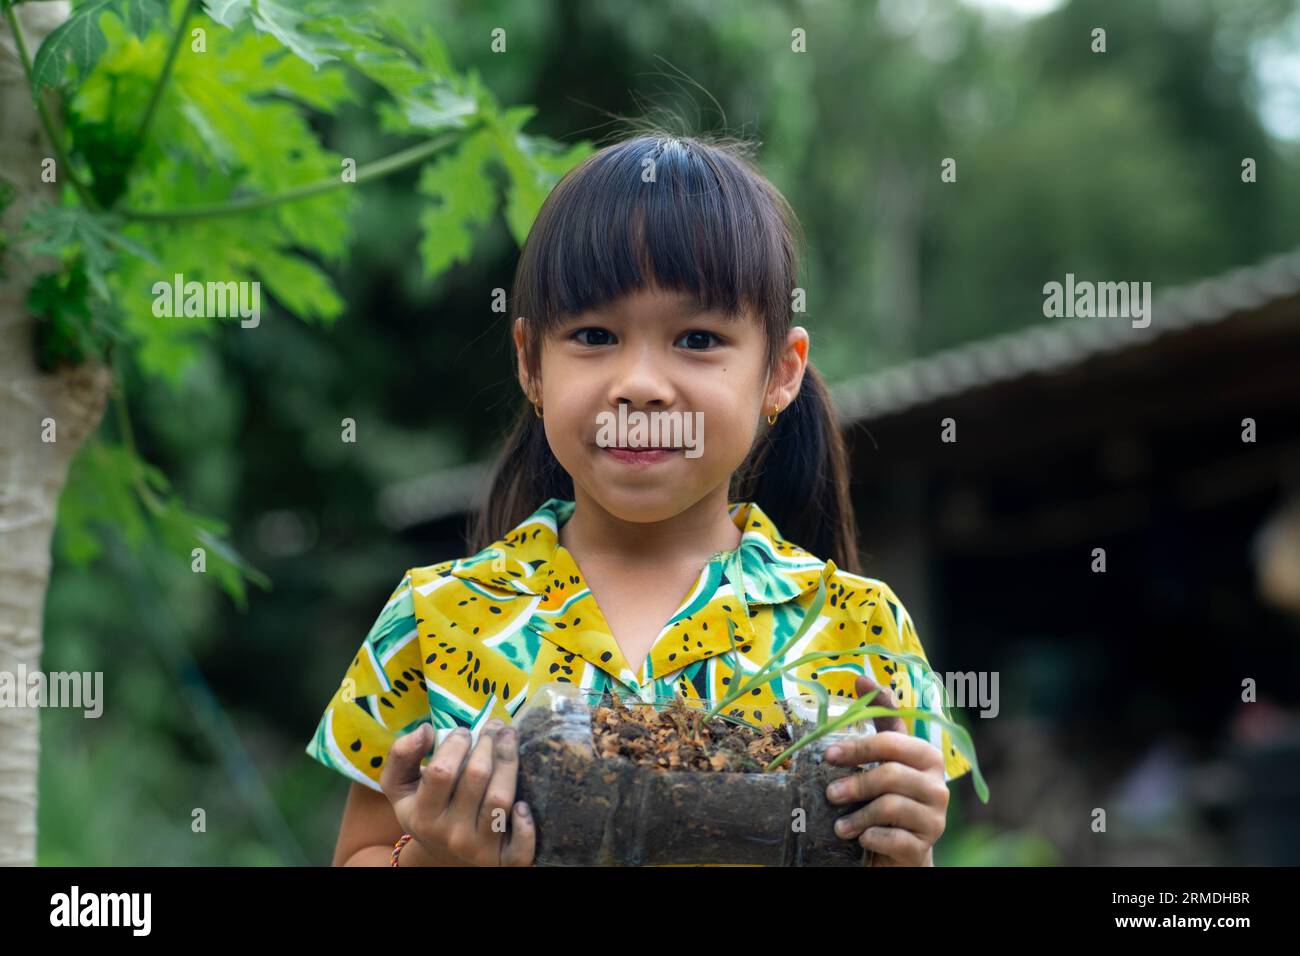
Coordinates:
465 640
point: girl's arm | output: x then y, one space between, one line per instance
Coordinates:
368 830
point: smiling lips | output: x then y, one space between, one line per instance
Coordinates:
641 456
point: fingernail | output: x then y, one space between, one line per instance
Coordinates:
523 809
840 826
835 790
833 753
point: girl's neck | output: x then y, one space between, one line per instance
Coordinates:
691 537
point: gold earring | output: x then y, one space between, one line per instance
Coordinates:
537 409
771 419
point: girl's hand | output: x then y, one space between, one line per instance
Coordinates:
908 796
457 815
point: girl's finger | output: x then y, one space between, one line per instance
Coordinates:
898 847
521 846
401 774
889 745
863 686
889 777
891 810
474 777
438 778
494 813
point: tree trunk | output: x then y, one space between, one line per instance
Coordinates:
32 470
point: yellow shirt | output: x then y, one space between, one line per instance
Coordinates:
464 640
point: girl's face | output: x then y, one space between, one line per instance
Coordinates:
657 351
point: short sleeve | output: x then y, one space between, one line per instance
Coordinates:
381 697
891 625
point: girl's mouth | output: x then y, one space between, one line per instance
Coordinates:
641 456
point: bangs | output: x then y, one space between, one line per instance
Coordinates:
707 225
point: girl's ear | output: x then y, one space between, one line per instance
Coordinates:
521 365
789 370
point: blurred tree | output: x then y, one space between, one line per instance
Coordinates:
192 156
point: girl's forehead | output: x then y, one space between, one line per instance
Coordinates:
657 302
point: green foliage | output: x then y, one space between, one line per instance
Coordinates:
93 238
278 20
79 40
113 485
72 324
983 845
463 197
205 161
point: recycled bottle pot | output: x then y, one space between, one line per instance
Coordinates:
595 810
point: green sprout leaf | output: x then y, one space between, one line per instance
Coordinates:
860 710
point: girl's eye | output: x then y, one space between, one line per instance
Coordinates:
598 332
699 340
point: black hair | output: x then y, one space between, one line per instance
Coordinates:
707 223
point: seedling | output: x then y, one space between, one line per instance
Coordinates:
857 711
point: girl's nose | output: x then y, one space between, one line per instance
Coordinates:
640 382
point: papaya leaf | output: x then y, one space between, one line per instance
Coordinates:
182 530
57 230
110 487
80 38
278 20
534 165
99 491
464 198
73 325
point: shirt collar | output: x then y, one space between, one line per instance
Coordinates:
529 557
530 561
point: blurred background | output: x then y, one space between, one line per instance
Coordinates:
1120 690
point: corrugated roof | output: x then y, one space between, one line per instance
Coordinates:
1057 344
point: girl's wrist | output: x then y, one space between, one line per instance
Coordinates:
398 847
409 851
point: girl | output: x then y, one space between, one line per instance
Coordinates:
656 281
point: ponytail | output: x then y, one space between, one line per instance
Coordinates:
799 476
526 474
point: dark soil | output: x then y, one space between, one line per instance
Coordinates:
677 738
620 784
